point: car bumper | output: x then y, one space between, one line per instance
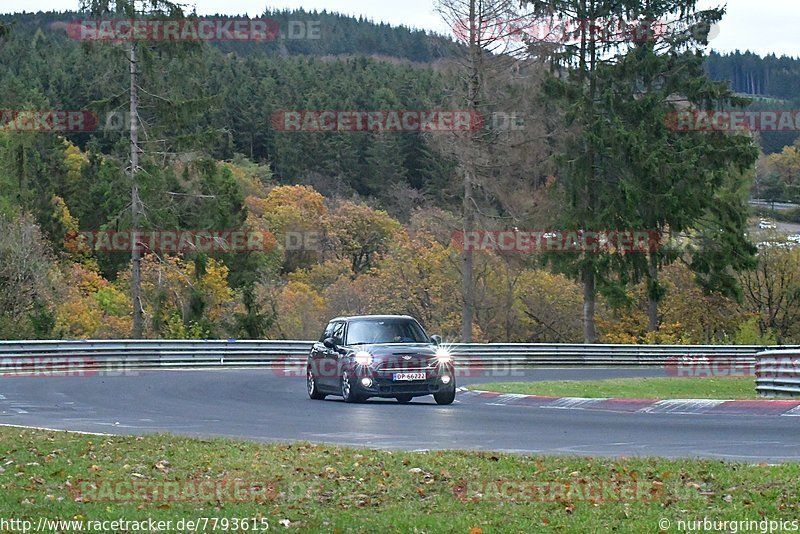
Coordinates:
384 386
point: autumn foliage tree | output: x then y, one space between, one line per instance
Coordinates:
297 216
91 307
359 234
185 300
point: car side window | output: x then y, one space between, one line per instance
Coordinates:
327 333
338 331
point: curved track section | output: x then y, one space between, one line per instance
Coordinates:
259 405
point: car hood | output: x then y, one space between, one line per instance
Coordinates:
397 349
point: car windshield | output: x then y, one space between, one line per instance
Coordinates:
385 331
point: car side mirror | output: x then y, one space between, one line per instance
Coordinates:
436 340
329 343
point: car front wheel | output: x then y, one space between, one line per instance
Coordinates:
311 382
347 390
445 397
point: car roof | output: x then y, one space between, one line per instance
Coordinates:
372 317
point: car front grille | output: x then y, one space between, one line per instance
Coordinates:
399 365
404 369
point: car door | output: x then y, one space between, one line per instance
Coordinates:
330 359
318 355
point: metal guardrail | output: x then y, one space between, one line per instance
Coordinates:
778 373
122 355
22 356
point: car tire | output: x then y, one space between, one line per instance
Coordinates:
311 386
404 399
445 397
348 394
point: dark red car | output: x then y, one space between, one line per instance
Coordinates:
387 356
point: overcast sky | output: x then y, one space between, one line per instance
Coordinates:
762 26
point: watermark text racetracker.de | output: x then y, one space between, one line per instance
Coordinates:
61 121
72 366
565 31
709 367
289 367
577 241
609 30
572 490
171 241
733 121
394 121
141 491
723 367
48 120
192 30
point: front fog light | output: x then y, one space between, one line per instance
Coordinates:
446 379
366 382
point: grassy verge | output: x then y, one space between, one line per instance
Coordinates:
729 388
312 488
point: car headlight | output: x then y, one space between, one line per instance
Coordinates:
363 358
443 355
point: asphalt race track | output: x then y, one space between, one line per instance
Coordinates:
261 405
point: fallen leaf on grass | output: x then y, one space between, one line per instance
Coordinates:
161 465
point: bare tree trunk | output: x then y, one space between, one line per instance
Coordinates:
474 87
652 299
589 300
467 289
136 255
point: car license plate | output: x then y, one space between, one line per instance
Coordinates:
408 377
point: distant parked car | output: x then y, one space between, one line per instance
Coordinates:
767 225
387 356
